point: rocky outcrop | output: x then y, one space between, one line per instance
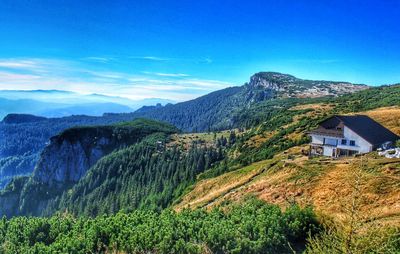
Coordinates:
268 82
284 85
67 161
69 155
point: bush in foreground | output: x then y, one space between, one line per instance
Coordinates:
253 227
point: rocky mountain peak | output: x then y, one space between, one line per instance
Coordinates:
285 85
271 80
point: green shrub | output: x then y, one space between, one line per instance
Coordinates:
252 227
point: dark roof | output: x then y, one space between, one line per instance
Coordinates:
367 128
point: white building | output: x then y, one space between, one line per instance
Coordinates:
348 135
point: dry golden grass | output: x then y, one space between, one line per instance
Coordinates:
316 106
206 191
294 136
324 183
259 139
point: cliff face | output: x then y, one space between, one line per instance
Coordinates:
267 82
70 154
68 160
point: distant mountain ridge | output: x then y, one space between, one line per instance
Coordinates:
216 111
22 118
58 103
69 96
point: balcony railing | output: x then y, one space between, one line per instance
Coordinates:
320 145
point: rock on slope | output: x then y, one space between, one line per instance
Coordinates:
71 154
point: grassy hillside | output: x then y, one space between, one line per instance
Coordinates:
291 175
288 120
387 116
356 198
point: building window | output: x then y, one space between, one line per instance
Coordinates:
330 141
352 142
344 142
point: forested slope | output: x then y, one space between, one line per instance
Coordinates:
68 157
140 176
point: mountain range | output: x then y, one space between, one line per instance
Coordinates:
58 103
23 136
215 152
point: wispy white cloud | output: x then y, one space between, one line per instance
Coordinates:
83 77
36 65
6 77
150 58
106 74
16 64
98 59
173 75
201 60
206 84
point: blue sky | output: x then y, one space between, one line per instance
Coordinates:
183 49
